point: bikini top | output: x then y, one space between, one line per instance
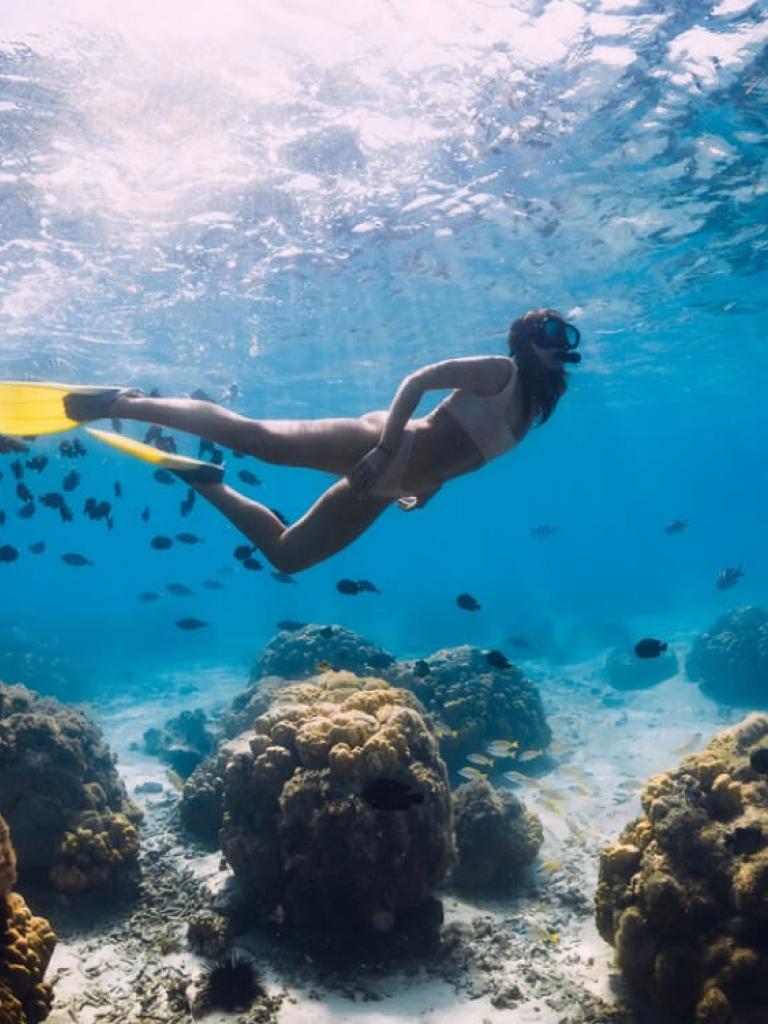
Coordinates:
483 417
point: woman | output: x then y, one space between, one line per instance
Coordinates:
382 456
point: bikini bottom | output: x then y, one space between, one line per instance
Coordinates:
390 483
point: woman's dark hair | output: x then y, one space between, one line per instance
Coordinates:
542 387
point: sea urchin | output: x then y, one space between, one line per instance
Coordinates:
231 983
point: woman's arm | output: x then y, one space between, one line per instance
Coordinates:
484 374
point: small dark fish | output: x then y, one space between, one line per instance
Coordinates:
70 481
164 476
23 493
498 660
292 625
543 531
649 648
166 443
110 523
213 585
243 551
160 543
27 511
326 632
253 564
191 623
179 589
187 504
2 517
10 444
248 477
118 489
73 558
391 795
187 538
37 548
8 553
147 596
65 513
152 434
283 519
421 668
201 396
347 587
77 447
145 514
366 587
282 577
676 526
66 450
37 464
205 447
217 456
728 578
155 393
17 469
117 425
52 500
468 603
519 642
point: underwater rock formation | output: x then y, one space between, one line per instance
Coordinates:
682 894
472 702
26 947
72 823
202 799
730 660
299 832
625 671
496 837
295 655
182 742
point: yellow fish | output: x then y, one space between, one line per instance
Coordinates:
544 934
471 773
577 832
689 744
529 755
579 787
175 780
552 805
522 780
480 759
550 866
501 748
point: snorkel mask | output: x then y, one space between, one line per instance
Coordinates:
563 337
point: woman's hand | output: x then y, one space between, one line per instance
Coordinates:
368 470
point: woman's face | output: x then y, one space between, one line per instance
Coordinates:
547 356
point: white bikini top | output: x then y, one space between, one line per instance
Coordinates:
484 417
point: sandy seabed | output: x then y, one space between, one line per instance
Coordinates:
534 957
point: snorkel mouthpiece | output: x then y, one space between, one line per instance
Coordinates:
568 357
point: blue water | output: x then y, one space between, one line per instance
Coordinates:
293 211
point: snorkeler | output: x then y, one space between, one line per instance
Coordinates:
381 456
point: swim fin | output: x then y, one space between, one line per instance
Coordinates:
193 471
30 408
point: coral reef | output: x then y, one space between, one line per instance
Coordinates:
472 702
26 947
682 894
183 742
71 820
496 837
297 655
202 799
298 831
625 671
730 660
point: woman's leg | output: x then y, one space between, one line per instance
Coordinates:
336 519
331 445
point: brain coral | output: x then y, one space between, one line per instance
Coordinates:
62 797
473 702
26 946
298 831
294 655
495 835
682 894
730 661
